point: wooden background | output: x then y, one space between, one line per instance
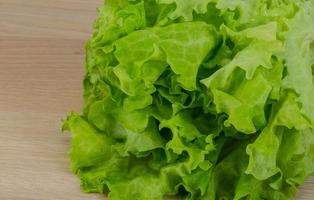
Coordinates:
41 69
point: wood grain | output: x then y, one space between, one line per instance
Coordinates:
41 69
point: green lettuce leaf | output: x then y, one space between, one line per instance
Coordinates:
185 9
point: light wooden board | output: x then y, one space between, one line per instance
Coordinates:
41 68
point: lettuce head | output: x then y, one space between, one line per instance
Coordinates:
201 99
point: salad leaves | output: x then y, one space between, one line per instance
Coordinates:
203 99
